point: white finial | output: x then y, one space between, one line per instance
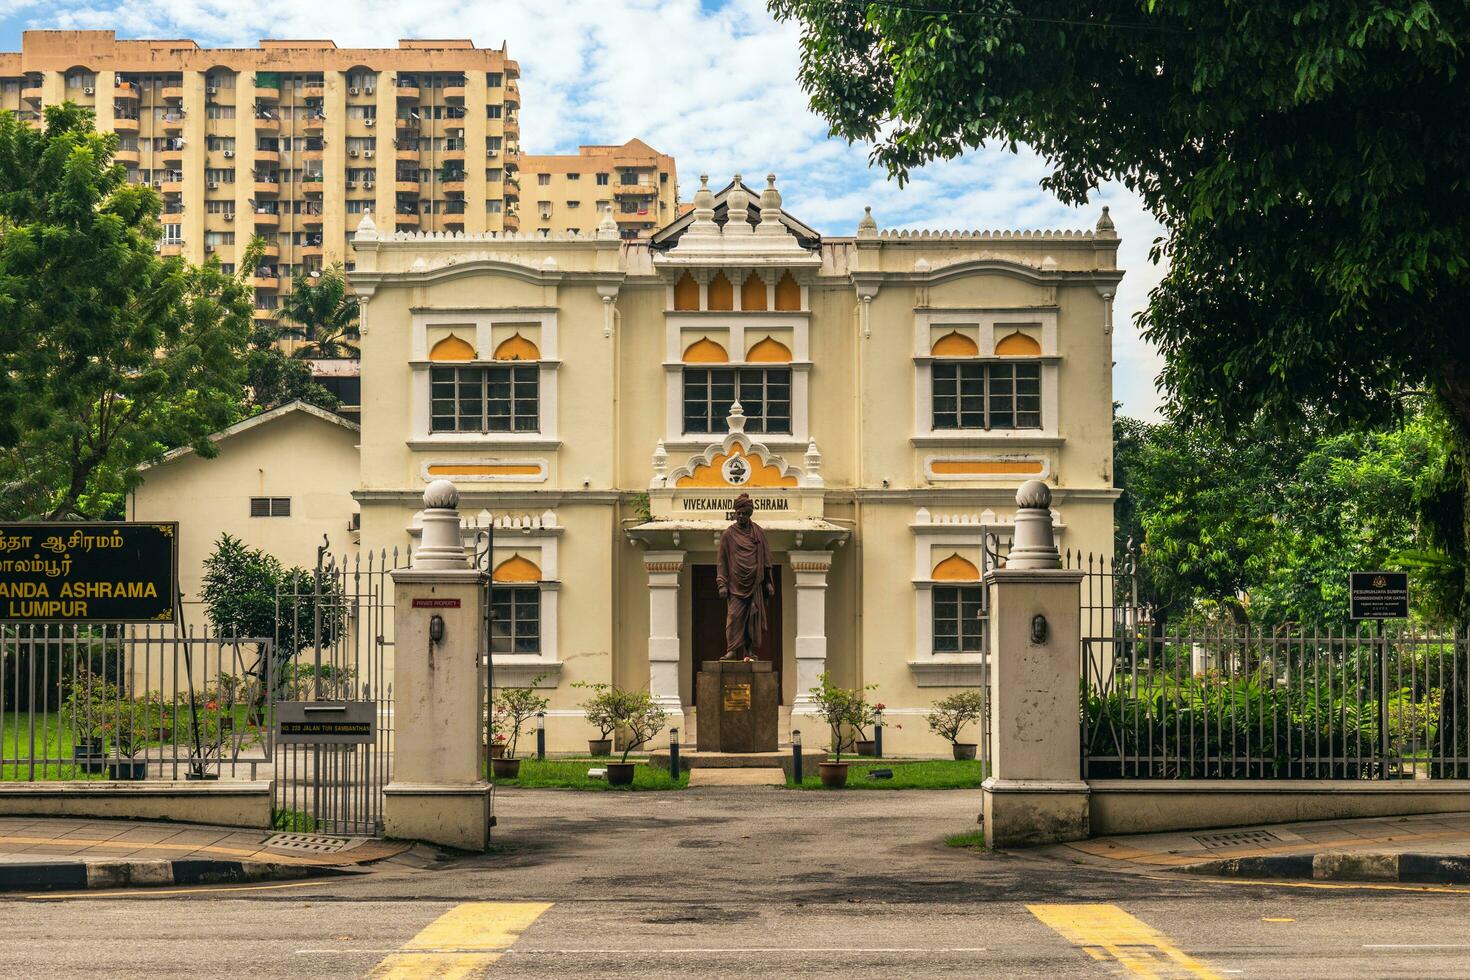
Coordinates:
813 464
736 419
660 464
1034 544
442 546
867 227
607 227
1105 226
771 209
737 209
366 230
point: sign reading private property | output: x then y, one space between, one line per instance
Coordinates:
1378 595
115 572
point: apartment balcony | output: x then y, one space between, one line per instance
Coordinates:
266 124
265 281
267 219
312 155
455 154
407 124
635 190
453 93
406 153
408 219
407 93
268 187
406 186
261 315
172 156
168 187
636 218
512 222
169 249
31 93
454 222
173 93
310 250
126 156
453 186
312 188
267 156
314 124
268 93
313 88
173 123
125 124
271 250
125 90
311 219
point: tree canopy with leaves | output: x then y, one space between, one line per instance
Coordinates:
1306 160
322 311
109 354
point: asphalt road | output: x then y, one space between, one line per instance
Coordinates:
748 883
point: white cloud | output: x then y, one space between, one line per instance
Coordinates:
714 87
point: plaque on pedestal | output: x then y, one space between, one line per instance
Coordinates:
738 706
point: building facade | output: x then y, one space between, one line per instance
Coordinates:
602 401
566 194
291 140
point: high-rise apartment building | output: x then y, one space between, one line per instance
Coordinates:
291 140
570 193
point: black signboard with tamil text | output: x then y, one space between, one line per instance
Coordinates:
1378 595
76 572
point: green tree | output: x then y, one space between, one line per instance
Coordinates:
272 378
322 311
1306 161
109 354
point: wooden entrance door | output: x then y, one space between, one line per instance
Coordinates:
708 622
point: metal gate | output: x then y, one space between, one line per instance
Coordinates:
334 627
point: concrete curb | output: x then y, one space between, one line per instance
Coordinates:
1343 866
82 875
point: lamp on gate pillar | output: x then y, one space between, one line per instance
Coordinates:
540 735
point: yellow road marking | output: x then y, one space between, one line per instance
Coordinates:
461 942
1277 919
1107 933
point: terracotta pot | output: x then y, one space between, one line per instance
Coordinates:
506 768
599 746
497 750
620 773
834 774
964 751
865 747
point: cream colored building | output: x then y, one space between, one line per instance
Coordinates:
292 140
566 194
893 389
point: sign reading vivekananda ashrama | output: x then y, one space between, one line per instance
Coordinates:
88 573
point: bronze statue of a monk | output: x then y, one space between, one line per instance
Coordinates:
744 578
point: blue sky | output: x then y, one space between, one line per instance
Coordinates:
711 82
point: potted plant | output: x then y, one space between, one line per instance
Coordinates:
641 719
127 728
598 709
845 710
519 705
88 700
497 732
951 714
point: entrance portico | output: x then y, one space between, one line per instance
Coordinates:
684 533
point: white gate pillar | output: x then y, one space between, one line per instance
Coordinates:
438 792
810 569
1032 793
664 568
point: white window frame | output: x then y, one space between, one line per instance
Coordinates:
483 322
990 325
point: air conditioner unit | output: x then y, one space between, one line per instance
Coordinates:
157 184
369 121
457 132
89 91
352 153
352 90
492 153
351 184
214 185
367 185
229 154
212 90
229 216
368 154
370 89
208 249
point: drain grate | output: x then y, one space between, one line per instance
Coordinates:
1239 838
311 843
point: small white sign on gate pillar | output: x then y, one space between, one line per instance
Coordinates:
438 792
1033 793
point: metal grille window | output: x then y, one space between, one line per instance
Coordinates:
957 619
764 395
516 626
485 399
270 506
970 395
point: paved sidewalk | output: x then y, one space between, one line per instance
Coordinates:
39 853
1432 847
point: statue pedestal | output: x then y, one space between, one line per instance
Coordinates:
738 706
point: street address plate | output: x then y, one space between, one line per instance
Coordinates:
325 722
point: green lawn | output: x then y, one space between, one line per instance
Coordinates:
569 774
52 748
972 841
910 774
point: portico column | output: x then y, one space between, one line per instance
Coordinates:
663 569
810 568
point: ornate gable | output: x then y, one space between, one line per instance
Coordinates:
736 462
